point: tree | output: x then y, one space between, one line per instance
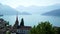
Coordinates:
8 32
22 22
43 28
3 25
33 30
58 30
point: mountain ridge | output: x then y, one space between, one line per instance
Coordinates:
7 10
38 9
53 13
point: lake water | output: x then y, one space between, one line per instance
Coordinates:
31 20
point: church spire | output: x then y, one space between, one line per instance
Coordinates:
16 22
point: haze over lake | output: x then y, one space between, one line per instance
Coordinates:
32 20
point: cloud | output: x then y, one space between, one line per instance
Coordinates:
15 3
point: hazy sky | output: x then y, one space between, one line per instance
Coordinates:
26 3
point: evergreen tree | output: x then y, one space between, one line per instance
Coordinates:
22 22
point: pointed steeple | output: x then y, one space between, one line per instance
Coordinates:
22 22
16 22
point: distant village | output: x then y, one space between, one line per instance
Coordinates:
17 28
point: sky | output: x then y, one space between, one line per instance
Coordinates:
26 3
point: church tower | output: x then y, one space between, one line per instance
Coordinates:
16 22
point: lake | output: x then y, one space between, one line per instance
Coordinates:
31 20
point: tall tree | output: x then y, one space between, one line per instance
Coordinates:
22 22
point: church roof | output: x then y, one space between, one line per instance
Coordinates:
24 27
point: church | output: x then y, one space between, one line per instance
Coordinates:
20 28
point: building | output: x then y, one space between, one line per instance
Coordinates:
20 28
23 30
15 29
3 25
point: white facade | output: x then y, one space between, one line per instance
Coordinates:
22 31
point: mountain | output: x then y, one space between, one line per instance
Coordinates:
25 13
38 9
53 13
7 10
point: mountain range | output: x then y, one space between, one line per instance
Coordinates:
53 10
53 13
7 10
38 9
